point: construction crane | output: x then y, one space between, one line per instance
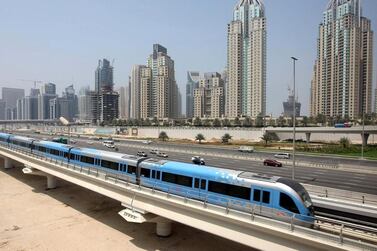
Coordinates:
34 81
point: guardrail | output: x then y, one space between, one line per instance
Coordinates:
154 198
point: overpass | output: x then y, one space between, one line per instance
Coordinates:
309 130
147 204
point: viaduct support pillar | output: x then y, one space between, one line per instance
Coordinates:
163 227
51 181
307 134
364 139
7 163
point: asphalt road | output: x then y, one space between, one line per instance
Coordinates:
334 178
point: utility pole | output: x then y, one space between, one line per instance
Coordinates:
294 118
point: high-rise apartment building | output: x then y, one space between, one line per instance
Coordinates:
209 96
153 89
70 95
246 69
85 104
2 110
289 104
342 79
124 105
192 83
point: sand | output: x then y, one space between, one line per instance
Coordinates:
73 218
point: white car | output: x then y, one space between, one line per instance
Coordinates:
282 156
161 154
109 145
147 142
89 142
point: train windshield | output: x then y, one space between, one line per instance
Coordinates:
299 189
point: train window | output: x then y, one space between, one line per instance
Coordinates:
131 169
153 174
230 190
196 183
87 159
266 197
203 184
177 179
286 202
145 172
54 152
256 195
42 149
65 154
158 175
72 156
109 164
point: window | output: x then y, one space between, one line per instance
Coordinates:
230 190
145 172
158 175
286 202
87 159
54 152
109 164
177 179
72 156
42 149
153 174
65 154
266 197
196 183
256 195
203 184
131 169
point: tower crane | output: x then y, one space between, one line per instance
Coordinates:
34 81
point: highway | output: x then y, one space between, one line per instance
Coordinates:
362 182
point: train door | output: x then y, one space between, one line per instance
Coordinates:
257 199
200 188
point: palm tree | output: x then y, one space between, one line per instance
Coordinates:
216 122
197 121
163 136
237 121
225 139
199 138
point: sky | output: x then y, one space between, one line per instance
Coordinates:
62 41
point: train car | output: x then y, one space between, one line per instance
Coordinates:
51 149
273 197
4 138
20 142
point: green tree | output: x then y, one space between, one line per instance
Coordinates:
320 119
281 121
155 121
225 138
345 142
226 122
206 123
197 121
305 121
247 122
216 122
163 136
259 120
269 136
147 122
199 138
236 121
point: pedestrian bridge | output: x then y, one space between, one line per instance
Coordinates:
309 130
144 204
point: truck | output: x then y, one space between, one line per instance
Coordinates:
246 149
60 140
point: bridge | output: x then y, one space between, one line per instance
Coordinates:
147 204
309 130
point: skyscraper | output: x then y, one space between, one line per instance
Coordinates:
342 79
135 84
288 105
192 83
84 104
104 76
10 96
48 92
124 102
71 97
104 101
246 86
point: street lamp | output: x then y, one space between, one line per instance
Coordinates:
294 117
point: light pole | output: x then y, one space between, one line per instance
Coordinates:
294 117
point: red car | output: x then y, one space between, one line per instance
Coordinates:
272 162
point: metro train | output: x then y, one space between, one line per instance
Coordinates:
271 196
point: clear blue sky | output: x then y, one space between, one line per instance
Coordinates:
61 41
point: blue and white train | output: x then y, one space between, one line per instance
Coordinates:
274 197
